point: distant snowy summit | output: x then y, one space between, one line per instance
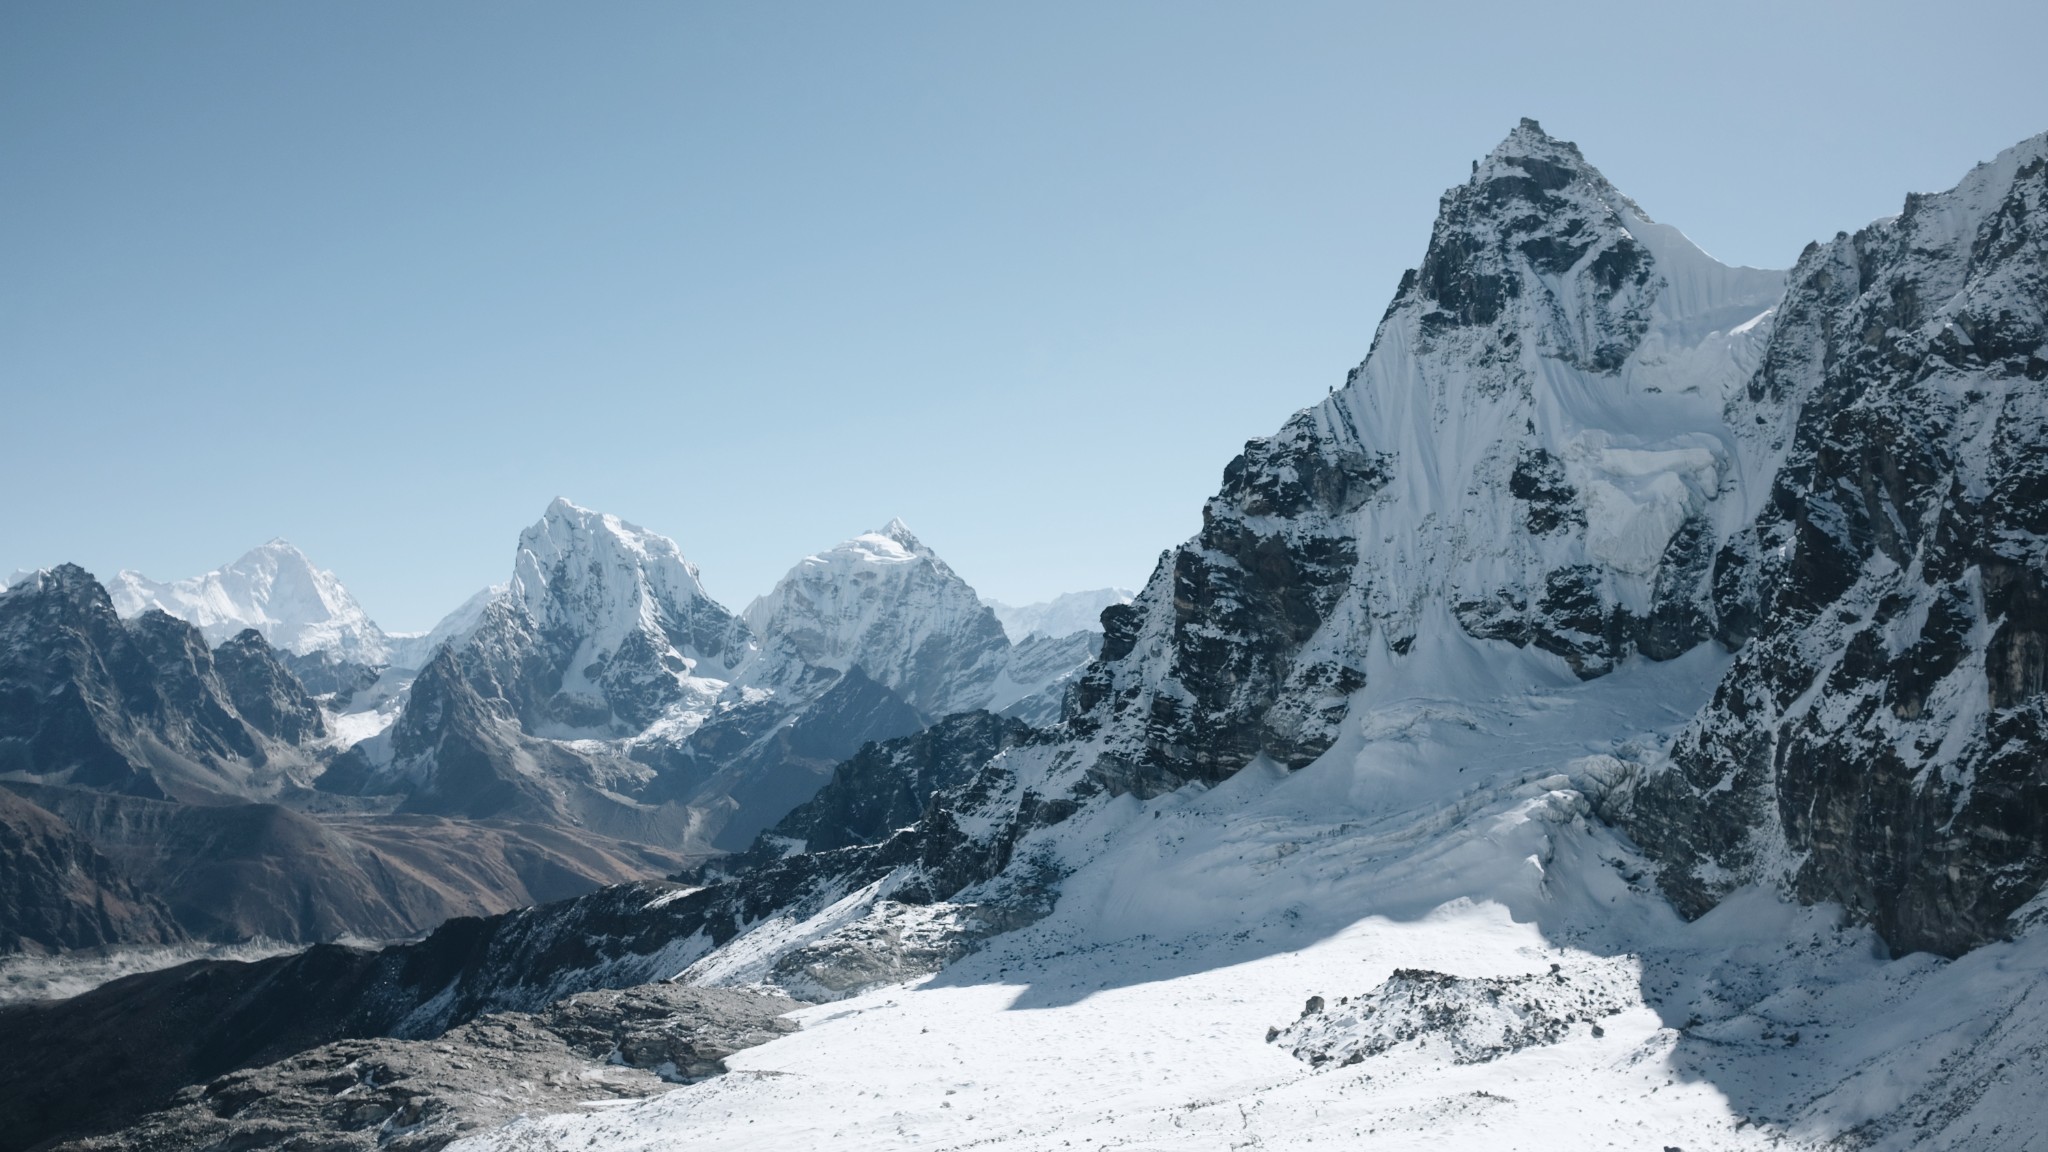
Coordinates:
297 606
1063 615
274 589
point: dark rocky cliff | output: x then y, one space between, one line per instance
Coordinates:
1883 739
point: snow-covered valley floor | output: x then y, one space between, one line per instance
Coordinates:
1495 967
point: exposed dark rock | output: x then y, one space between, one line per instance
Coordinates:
264 691
1235 607
418 1096
1883 739
1464 1020
137 707
757 764
887 786
1539 481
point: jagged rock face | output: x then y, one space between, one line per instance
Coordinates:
274 589
755 762
57 893
888 785
887 604
138 706
322 674
266 693
1534 451
1881 740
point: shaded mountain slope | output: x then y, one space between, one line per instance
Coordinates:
58 893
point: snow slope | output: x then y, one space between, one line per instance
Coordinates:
414 649
274 589
1447 832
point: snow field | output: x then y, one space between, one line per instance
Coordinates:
1136 1014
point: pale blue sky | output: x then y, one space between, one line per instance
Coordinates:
384 278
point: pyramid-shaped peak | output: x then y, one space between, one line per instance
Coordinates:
565 520
561 508
1529 155
271 552
900 532
1529 139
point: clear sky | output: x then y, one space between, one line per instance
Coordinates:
384 278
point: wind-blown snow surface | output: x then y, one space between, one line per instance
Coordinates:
1446 831
1063 615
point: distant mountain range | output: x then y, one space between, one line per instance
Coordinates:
248 754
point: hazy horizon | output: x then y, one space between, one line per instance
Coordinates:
384 280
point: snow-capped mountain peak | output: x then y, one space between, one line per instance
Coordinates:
885 602
625 615
900 532
414 649
892 543
591 571
1536 449
274 589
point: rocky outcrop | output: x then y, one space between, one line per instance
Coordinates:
322 674
885 788
1881 739
1460 1019
417 1096
755 762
